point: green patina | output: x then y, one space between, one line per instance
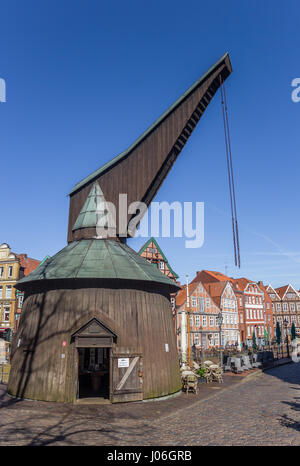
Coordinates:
98 258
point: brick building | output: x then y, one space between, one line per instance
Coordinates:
202 323
253 305
286 307
254 313
12 268
224 297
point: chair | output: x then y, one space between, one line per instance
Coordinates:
218 375
237 365
256 360
190 382
227 366
246 362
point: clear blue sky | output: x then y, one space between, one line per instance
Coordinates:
86 78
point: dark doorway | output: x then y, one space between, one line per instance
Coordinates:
93 372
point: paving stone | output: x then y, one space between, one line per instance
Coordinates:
261 409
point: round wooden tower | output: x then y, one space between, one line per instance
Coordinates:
96 318
95 315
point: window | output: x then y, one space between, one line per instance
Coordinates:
196 339
293 319
197 321
217 339
247 313
211 321
21 298
172 302
161 265
292 307
1 272
268 305
1 292
298 307
194 301
10 271
201 304
191 321
254 314
241 302
285 307
251 314
249 331
278 307
291 295
207 302
204 321
8 291
241 318
6 314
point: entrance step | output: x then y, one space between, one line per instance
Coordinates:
93 401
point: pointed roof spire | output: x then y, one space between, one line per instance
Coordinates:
94 206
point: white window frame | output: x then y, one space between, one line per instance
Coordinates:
8 291
6 314
194 301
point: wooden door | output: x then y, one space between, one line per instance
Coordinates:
126 377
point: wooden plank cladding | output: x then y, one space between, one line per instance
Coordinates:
96 316
140 171
141 320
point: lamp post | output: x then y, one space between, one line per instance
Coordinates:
219 323
285 323
201 344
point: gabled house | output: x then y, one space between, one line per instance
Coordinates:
203 328
224 297
153 253
286 307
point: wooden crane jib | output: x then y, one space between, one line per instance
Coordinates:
139 171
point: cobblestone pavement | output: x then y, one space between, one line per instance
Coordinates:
263 409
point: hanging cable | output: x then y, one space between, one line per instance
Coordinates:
235 233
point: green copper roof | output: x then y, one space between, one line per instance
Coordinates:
148 131
97 258
93 207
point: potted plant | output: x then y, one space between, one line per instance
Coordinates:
201 374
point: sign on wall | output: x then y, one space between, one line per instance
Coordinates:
123 362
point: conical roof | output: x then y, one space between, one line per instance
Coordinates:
93 208
101 259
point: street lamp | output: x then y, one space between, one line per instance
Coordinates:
201 344
219 320
285 323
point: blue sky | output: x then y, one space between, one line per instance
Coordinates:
86 78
